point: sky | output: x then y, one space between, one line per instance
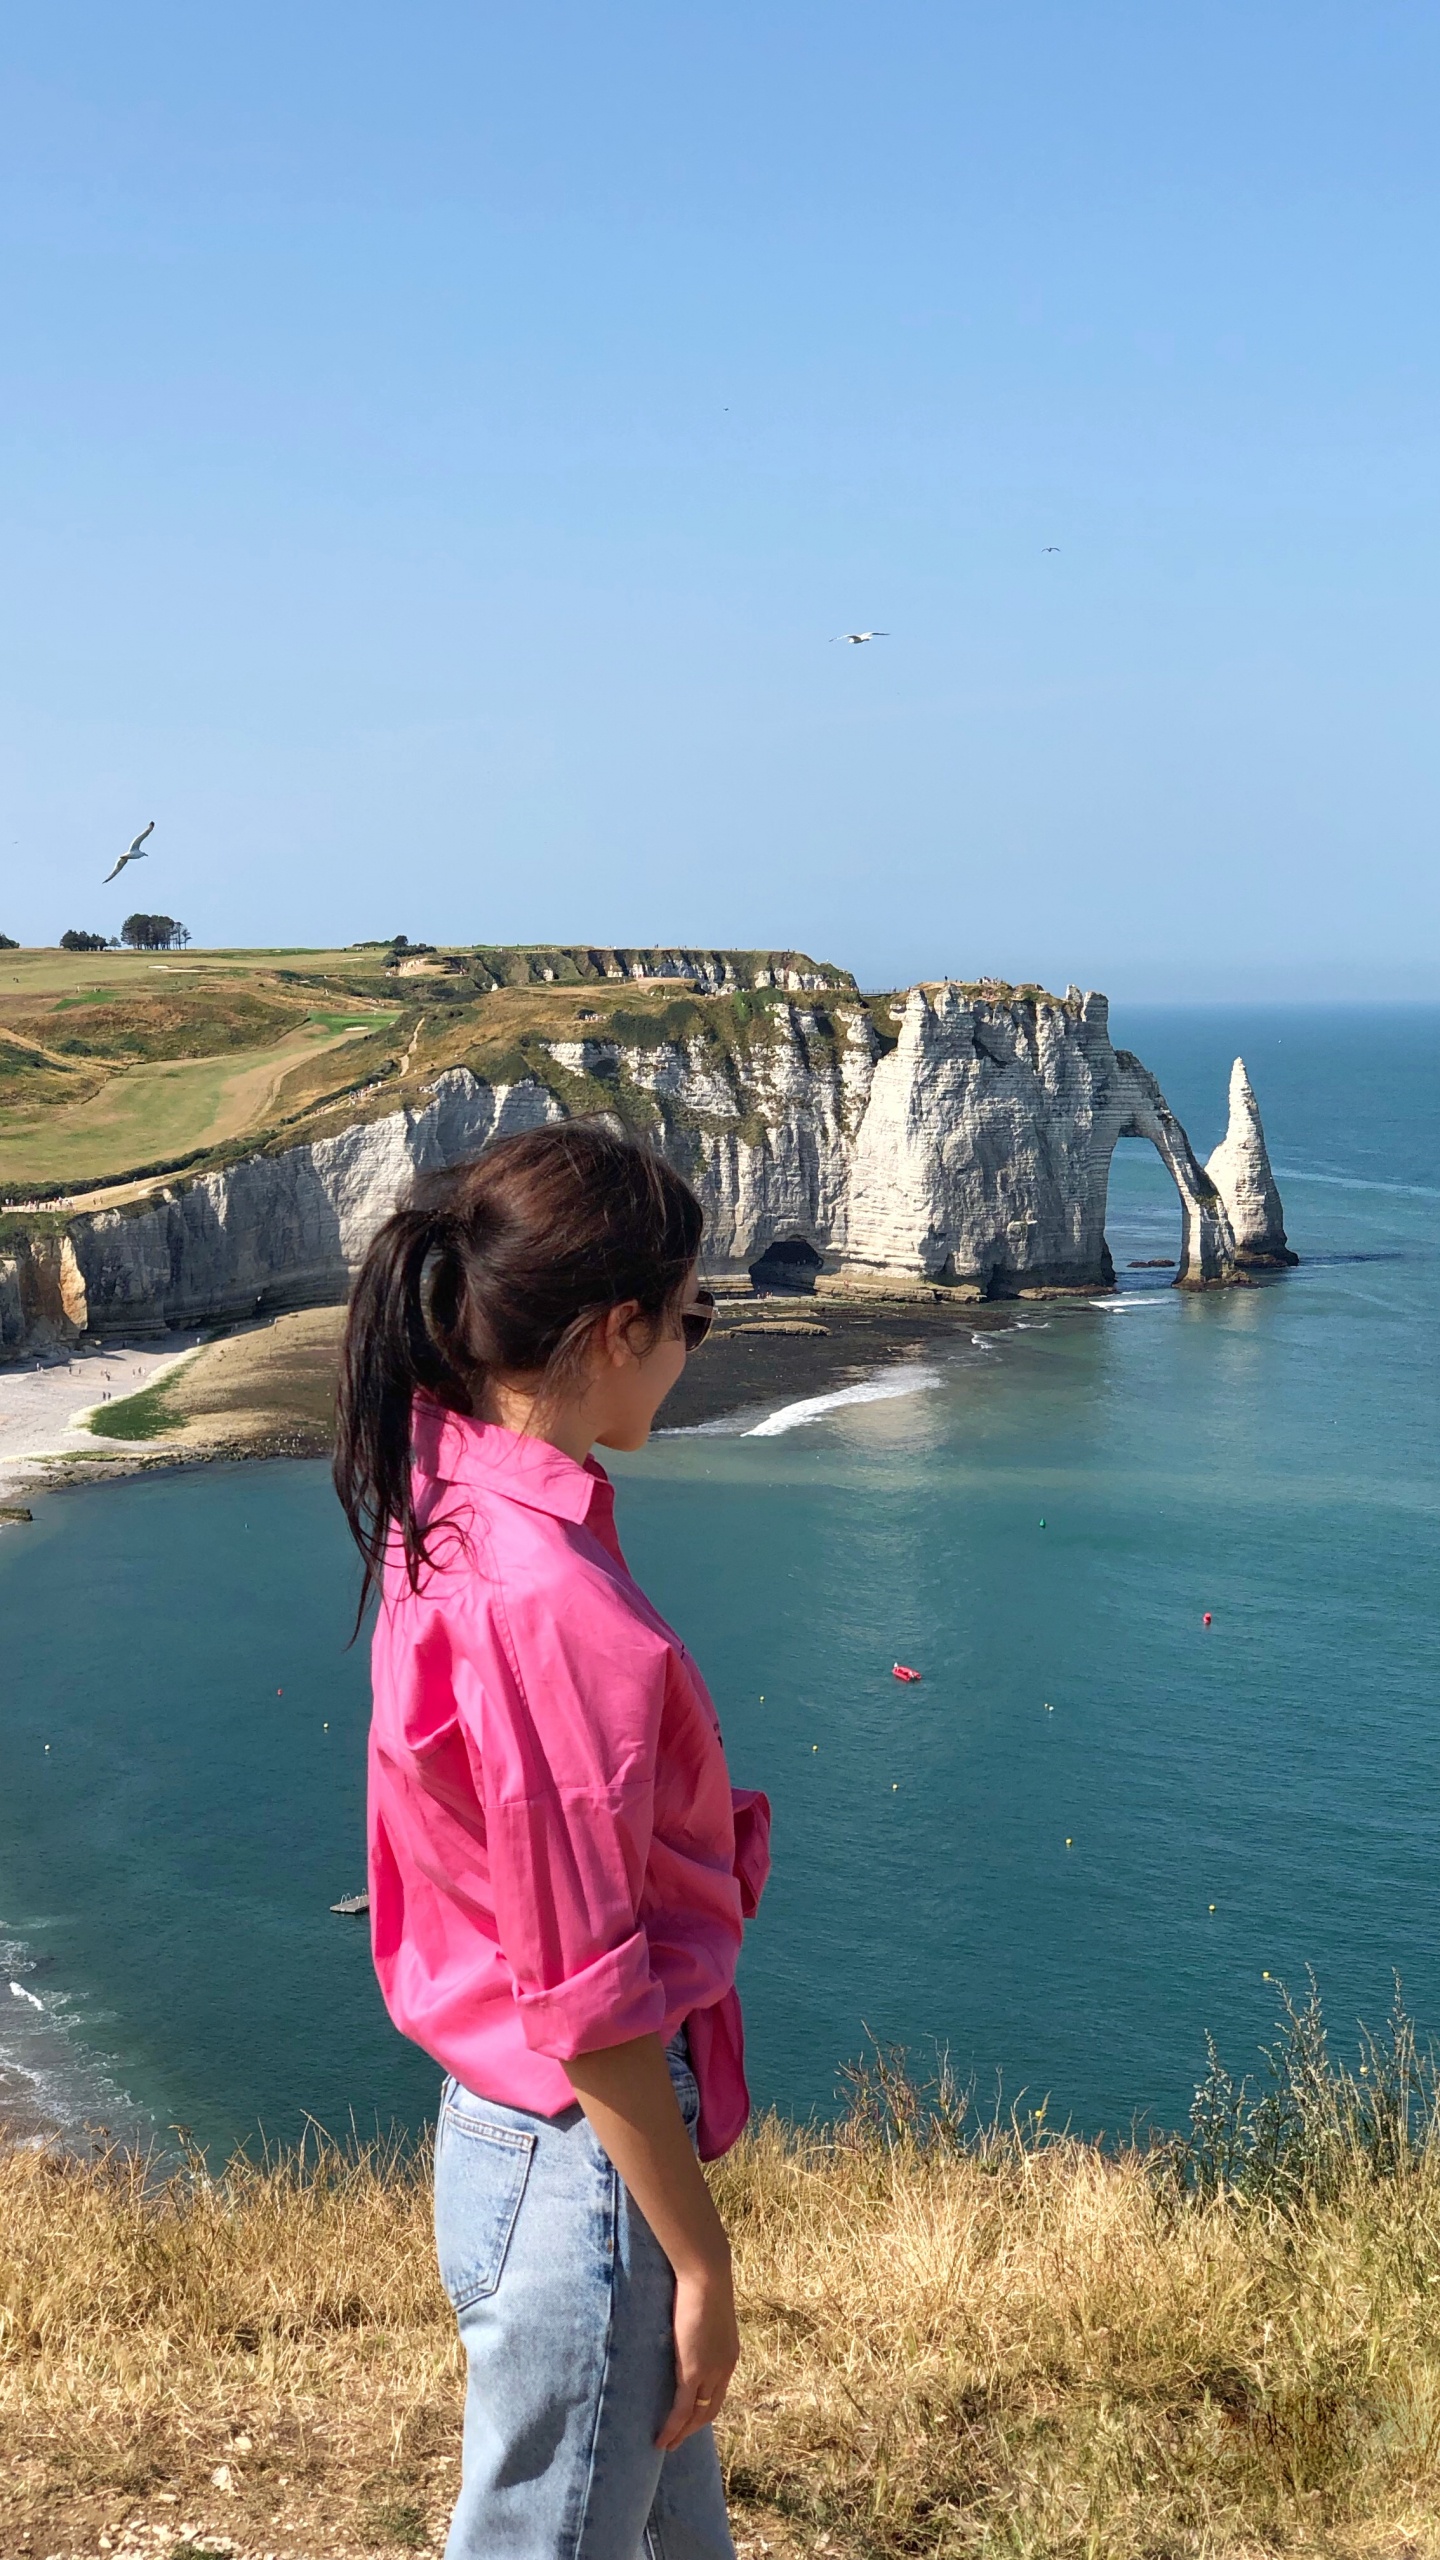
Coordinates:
437 446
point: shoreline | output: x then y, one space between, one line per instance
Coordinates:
266 1389
44 1408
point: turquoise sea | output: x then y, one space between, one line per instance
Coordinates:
1015 1859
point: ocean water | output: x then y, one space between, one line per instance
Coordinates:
1014 1859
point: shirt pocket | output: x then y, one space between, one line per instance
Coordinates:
480 2174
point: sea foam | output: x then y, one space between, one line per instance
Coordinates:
907 1379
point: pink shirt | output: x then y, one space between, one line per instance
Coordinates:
557 1859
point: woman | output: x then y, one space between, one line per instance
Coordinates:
558 1867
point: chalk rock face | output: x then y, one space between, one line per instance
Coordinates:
42 1294
284 1230
971 1152
767 1139
1240 1171
983 1159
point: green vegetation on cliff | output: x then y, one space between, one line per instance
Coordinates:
116 1068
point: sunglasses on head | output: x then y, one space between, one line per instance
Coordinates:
697 1318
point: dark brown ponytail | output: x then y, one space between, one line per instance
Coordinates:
505 1262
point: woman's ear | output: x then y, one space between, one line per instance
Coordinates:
613 1334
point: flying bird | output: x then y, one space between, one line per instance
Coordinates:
1052 546
132 853
856 637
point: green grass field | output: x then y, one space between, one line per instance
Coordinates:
113 1062
116 1066
148 1115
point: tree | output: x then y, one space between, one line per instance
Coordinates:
402 948
152 933
73 941
6 944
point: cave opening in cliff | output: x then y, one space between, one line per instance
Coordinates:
1144 1221
786 1268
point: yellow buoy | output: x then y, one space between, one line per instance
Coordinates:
1069 1843
1212 1906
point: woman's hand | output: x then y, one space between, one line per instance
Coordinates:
707 2350
627 2093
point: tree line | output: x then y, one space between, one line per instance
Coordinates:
137 933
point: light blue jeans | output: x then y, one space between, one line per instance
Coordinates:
565 2301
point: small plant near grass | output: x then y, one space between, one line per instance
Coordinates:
399 2522
1312 2126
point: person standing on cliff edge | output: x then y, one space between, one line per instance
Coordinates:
559 1867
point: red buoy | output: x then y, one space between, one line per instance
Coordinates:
902 1671
1205 1621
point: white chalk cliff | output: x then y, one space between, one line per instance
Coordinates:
971 1155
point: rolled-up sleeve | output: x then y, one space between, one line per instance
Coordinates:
567 1753
752 1846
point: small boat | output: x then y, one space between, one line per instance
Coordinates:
902 1671
351 1904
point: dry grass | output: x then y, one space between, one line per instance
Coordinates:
951 2347
266 2357
1042 2351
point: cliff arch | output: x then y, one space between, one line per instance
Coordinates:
1143 1216
1207 1243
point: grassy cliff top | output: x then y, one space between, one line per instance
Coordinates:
118 1067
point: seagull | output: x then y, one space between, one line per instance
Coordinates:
856 637
22 1994
132 853
1052 546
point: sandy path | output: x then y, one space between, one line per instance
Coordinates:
244 1100
134 1113
43 1409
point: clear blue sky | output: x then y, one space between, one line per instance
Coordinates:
439 441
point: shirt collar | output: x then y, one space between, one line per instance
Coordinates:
452 1448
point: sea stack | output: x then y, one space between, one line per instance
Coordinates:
1240 1171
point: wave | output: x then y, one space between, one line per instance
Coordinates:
1136 1298
50 2087
906 1379
1358 1182
1367 1297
